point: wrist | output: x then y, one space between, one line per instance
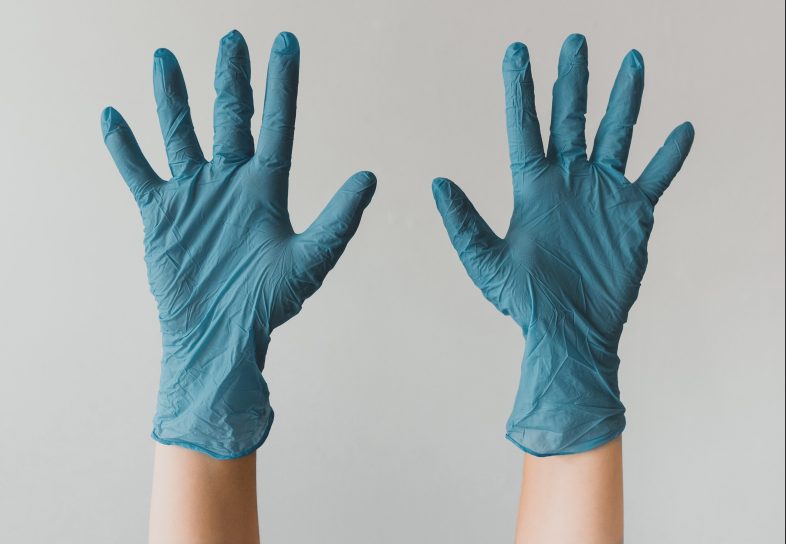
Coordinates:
575 498
197 498
568 399
226 416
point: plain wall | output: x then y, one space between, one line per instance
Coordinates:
393 386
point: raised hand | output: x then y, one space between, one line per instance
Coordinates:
569 268
224 263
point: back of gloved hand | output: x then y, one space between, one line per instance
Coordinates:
224 263
569 268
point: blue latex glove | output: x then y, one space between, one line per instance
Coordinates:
569 268
224 263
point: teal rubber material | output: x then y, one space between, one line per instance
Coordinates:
224 263
570 266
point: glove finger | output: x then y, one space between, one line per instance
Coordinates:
568 144
524 139
472 238
234 105
132 164
174 115
327 237
663 167
612 142
274 150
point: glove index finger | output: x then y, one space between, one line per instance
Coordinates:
132 164
174 115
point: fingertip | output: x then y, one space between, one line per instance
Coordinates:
365 180
575 47
573 52
634 59
233 34
164 65
688 132
369 175
516 56
163 53
683 137
110 119
689 129
362 186
233 42
286 43
106 117
438 185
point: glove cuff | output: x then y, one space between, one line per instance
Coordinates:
568 399
225 412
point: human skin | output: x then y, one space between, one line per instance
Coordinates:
566 499
201 500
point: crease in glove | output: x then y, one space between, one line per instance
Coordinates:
224 263
570 266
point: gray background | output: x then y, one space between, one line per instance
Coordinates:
393 385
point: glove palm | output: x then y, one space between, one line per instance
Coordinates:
223 261
569 268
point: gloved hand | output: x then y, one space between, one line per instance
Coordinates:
569 268
224 264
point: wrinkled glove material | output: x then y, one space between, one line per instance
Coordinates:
224 264
570 266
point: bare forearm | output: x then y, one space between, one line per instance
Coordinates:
572 498
201 500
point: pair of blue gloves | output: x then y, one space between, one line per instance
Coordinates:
226 267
